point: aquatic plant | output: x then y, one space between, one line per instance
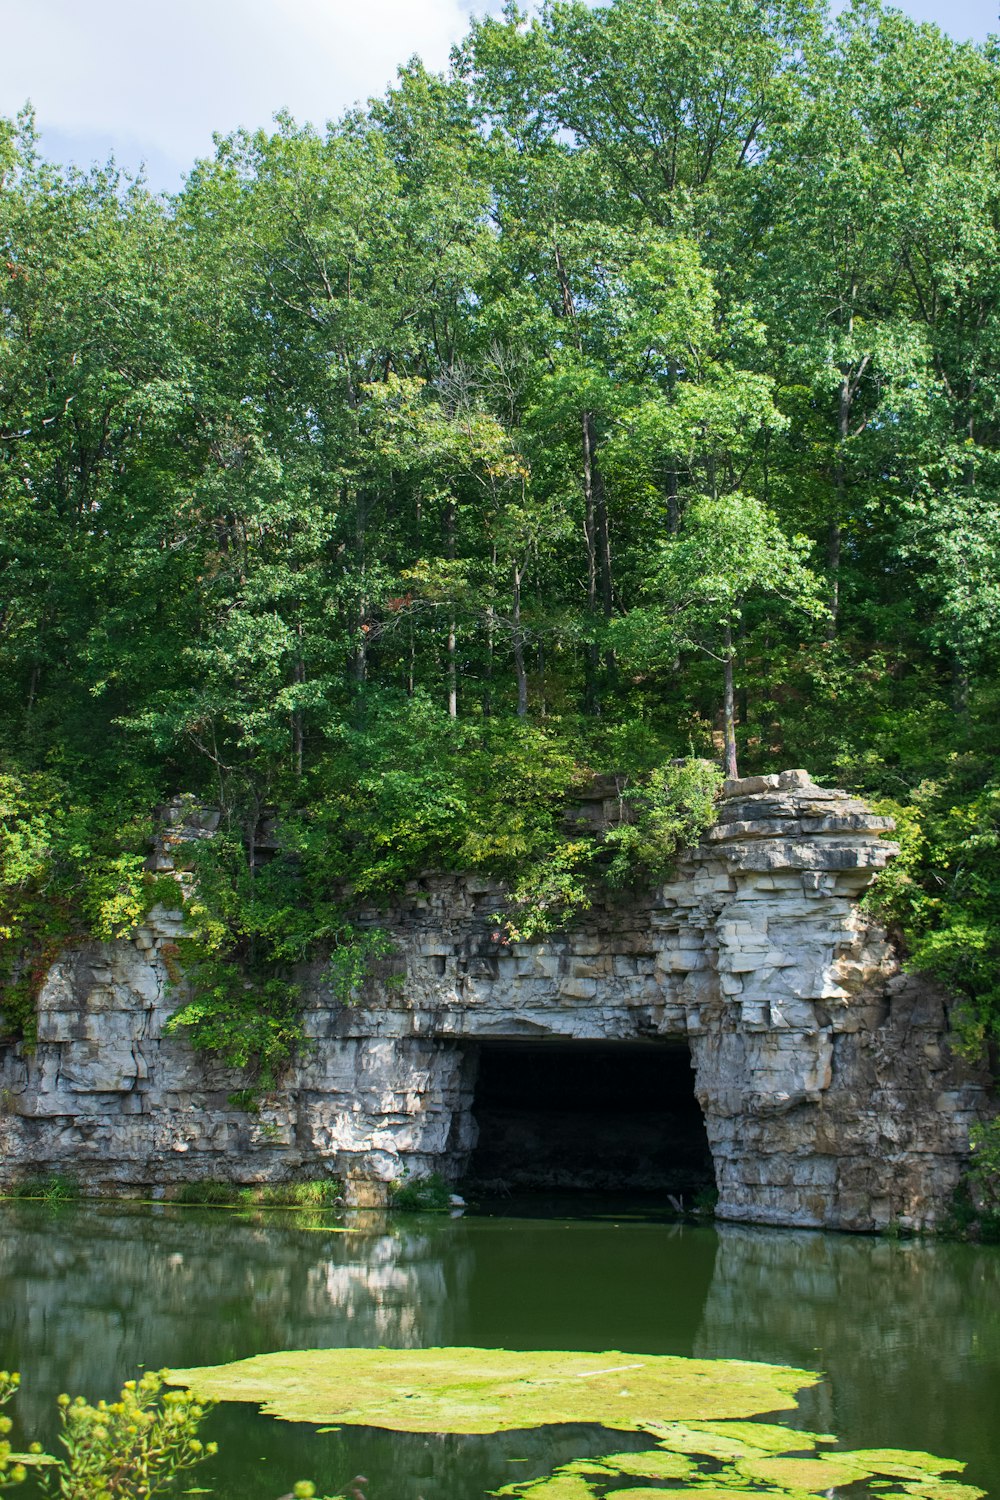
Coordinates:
732 1460
137 1447
694 1411
495 1390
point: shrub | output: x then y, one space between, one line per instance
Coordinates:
52 1189
129 1449
322 1193
421 1195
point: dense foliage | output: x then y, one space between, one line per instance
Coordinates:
630 392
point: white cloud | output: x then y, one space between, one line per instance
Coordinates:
161 77
152 79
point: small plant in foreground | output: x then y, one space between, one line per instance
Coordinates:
129 1449
12 1467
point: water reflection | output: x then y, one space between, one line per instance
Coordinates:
908 1333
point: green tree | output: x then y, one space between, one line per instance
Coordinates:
730 551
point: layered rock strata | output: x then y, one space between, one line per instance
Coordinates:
830 1091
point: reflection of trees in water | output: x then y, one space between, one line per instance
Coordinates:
907 1331
87 1294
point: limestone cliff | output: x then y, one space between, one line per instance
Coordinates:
830 1092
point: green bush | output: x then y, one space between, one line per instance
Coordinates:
207 1195
421 1195
53 1189
69 869
129 1449
322 1193
671 808
942 895
977 1207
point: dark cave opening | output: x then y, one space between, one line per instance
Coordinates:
589 1117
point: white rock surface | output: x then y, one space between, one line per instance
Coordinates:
829 1088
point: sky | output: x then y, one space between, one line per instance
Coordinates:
150 80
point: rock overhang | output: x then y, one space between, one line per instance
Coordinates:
806 1040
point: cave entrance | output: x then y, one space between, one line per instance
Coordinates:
589 1117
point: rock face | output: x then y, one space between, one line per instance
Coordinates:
829 1090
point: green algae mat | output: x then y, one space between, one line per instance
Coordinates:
694 1412
495 1390
749 1461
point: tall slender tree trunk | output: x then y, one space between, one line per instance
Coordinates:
742 696
602 538
540 648
452 669
488 672
729 709
834 536
360 662
673 502
29 708
591 696
299 675
960 693
845 398
518 636
592 525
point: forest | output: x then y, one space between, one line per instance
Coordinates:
624 400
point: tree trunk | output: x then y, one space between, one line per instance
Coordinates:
452 669
449 520
360 662
488 674
522 676
591 699
673 503
729 713
833 535
591 524
960 694
833 548
845 398
299 674
540 650
602 539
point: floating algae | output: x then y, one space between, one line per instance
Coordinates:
495 1390
728 1467
694 1411
734 1439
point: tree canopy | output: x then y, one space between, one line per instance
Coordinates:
631 391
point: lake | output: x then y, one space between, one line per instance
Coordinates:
906 1332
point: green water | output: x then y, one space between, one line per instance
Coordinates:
907 1333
